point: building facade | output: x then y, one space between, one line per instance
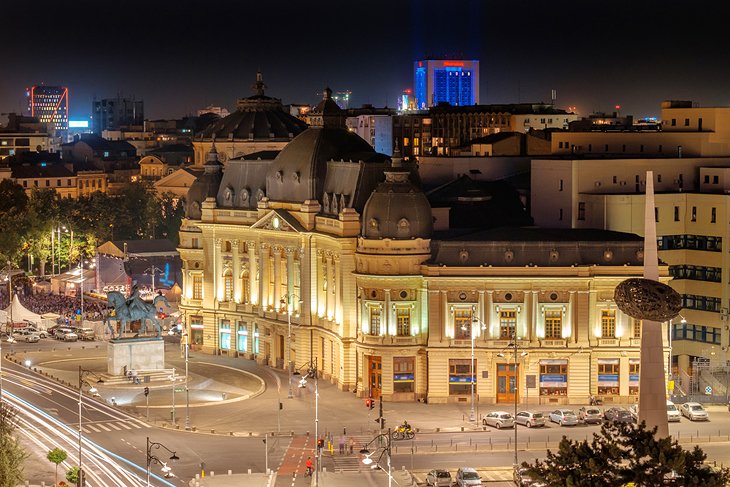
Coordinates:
455 82
116 114
49 104
326 254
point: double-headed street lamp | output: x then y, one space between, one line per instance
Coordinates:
385 451
311 373
154 458
514 348
289 310
83 373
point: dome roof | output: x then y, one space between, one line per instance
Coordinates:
397 209
206 186
258 117
299 171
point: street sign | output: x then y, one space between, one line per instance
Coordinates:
708 390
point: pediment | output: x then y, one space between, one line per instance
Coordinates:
179 178
280 221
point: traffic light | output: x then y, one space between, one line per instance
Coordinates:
146 391
320 443
369 403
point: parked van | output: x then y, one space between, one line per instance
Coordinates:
85 333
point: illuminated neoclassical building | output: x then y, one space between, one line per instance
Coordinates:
341 241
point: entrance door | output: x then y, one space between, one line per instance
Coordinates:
507 383
375 376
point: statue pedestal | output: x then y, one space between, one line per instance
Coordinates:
135 354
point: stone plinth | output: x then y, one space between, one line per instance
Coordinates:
135 354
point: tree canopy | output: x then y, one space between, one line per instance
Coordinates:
625 453
12 454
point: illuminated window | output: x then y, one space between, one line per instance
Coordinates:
403 319
375 313
507 323
242 341
636 327
461 376
404 374
225 335
634 371
228 286
608 377
553 323
245 284
554 377
608 323
462 323
198 287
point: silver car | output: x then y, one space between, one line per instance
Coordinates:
438 478
499 419
590 415
694 411
530 419
564 417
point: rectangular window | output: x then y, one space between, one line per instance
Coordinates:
197 287
634 370
694 214
256 338
561 185
228 287
554 377
242 338
375 312
553 324
713 217
686 122
674 122
403 320
636 328
656 214
507 324
196 330
462 323
560 214
461 376
581 210
608 377
676 213
225 335
404 369
715 179
608 323
707 179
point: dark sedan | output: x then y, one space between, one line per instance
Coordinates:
618 414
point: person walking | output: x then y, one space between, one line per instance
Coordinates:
342 445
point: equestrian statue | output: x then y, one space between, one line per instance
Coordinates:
133 308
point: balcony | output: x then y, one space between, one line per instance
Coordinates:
553 342
608 342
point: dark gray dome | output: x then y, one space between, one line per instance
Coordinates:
206 186
258 117
397 209
299 171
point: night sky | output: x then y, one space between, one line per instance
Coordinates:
183 55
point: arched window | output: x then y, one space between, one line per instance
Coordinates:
245 286
227 286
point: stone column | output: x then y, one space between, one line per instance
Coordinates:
292 301
218 258
338 288
264 276
276 299
386 316
568 318
320 309
253 270
534 316
448 328
236 273
489 314
482 324
652 386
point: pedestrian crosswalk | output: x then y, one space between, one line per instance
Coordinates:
110 426
349 462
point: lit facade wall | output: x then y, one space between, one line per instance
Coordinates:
49 104
452 81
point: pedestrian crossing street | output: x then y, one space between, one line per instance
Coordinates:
110 426
350 462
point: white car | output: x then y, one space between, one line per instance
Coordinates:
27 336
467 477
33 329
694 411
564 417
530 419
499 419
673 413
438 478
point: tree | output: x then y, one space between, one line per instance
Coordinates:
12 454
13 220
57 455
72 475
625 454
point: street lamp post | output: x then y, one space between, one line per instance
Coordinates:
289 364
187 390
153 458
387 451
482 326
514 346
82 374
312 374
151 270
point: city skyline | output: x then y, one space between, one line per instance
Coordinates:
179 58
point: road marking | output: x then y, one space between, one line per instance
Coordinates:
125 426
103 427
92 428
114 426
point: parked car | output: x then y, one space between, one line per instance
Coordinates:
467 477
673 413
634 411
85 333
590 415
499 419
694 411
564 417
530 419
39 332
27 336
438 478
618 414
66 334
523 479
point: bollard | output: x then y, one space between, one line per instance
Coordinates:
197 476
212 473
230 472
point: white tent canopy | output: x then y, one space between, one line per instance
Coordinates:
19 313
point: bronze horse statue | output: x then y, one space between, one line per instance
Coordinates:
124 313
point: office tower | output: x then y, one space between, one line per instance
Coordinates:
452 81
49 104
